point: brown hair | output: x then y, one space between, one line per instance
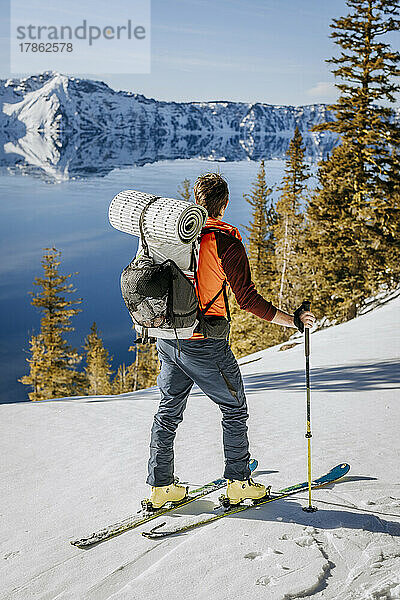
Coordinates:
211 191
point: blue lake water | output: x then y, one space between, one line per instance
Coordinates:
73 217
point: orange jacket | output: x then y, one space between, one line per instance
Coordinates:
210 273
222 256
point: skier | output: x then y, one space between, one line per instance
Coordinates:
209 361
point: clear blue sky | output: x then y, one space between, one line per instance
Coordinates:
269 51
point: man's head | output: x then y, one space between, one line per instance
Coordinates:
211 191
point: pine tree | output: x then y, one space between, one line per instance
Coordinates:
260 244
38 365
289 226
143 372
52 362
384 229
249 333
98 369
356 208
123 381
366 67
340 261
184 190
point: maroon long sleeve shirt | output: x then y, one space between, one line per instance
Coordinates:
236 265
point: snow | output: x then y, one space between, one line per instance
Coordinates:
74 465
51 110
72 113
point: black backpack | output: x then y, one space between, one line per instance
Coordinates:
162 300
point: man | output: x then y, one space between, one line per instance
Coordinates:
209 361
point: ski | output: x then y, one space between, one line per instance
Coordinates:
333 475
141 517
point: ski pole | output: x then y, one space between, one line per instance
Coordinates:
309 508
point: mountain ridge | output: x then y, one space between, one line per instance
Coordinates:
57 120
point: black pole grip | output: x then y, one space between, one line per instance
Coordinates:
304 306
307 305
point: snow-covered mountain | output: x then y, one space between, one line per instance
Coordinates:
74 465
78 126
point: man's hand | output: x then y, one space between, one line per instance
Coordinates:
303 318
308 319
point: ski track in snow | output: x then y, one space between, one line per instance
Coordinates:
102 589
340 564
113 583
275 552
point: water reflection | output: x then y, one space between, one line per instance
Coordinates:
61 156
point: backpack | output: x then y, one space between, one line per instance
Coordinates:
162 300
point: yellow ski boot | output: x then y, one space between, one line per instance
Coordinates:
237 491
160 495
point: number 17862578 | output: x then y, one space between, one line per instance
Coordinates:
46 47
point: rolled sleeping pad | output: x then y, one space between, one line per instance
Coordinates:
167 219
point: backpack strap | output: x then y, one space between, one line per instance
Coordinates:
211 302
144 339
228 312
141 219
193 262
224 284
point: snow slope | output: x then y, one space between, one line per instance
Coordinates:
74 465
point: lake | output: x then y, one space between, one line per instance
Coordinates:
73 217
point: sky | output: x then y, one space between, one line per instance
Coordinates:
270 51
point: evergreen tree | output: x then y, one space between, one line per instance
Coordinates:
355 210
52 362
260 246
123 381
384 229
143 372
184 190
249 333
366 67
340 261
289 226
98 368
37 363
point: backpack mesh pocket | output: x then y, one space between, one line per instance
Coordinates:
145 289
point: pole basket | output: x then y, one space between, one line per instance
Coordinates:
310 509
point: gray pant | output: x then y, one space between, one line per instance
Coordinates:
210 364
